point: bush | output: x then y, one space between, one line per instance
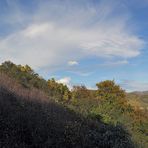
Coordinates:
42 123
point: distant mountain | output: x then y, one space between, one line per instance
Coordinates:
138 99
140 92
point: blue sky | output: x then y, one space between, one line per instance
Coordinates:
78 41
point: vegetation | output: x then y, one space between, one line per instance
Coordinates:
138 100
58 117
25 76
109 104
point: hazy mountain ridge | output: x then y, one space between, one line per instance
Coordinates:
138 98
140 92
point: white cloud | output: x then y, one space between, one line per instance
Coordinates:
65 81
81 73
115 63
37 30
131 85
58 34
72 63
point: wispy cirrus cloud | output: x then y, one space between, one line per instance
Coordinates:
60 31
114 63
133 85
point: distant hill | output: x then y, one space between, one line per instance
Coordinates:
140 92
138 99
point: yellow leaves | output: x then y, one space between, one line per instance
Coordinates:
108 89
66 96
22 69
25 68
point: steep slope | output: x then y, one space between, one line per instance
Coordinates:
29 122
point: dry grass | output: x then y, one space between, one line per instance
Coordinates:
28 120
14 87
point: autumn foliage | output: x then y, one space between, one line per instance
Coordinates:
35 112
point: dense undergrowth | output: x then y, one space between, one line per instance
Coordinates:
39 113
30 122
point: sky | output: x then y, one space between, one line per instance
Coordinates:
78 42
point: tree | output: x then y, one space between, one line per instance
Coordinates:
26 69
80 92
108 89
58 90
67 95
113 104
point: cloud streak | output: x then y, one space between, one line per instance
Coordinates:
60 32
132 85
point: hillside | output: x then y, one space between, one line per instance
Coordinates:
138 99
35 112
30 122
